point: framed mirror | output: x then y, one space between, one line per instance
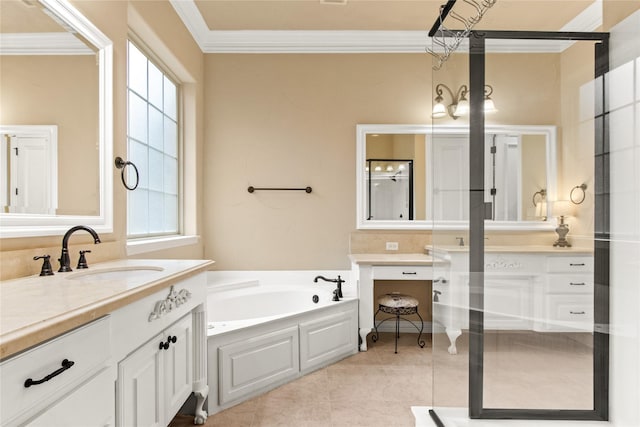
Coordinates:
520 171
56 73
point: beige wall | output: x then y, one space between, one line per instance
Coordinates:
285 120
59 90
157 24
576 147
289 120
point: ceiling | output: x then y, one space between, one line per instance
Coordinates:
386 15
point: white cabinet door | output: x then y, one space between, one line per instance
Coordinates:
178 365
156 379
140 387
507 303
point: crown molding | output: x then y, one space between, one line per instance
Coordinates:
42 44
588 20
330 41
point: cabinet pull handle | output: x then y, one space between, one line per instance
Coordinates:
577 312
577 283
173 339
410 272
581 264
66 364
164 345
440 280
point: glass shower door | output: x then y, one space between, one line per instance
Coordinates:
448 149
520 306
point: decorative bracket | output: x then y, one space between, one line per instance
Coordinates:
502 264
173 300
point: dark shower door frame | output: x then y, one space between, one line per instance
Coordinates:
477 207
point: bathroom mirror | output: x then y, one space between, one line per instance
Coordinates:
520 176
56 72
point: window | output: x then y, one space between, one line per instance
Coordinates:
152 139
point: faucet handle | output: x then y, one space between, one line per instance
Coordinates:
46 269
82 262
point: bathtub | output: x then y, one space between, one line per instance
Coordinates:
262 336
233 309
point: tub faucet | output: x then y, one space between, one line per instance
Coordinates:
65 262
338 281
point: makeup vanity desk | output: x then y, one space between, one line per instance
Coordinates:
368 267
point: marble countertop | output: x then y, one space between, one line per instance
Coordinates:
34 309
392 259
511 249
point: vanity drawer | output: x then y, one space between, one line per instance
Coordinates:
570 284
567 264
571 311
88 347
402 273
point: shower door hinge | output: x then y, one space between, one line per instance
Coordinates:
488 210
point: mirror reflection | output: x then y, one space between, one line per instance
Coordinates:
389 189
520 176
49 76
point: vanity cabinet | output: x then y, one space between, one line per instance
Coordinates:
57 382
366 268
569 294
155 380
528 288
157 377
90 345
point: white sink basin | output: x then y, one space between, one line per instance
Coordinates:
115 273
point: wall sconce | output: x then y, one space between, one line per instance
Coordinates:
459 104
562 208
578 198
540 204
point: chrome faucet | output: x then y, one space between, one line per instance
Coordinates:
65 262
338 281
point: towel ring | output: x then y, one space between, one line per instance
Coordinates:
122 164
581 187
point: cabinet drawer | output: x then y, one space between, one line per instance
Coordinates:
570 284
402 273
574 264
88 347
570 311
92 405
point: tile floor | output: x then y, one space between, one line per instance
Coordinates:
377 388
373 388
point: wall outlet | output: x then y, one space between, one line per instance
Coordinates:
392 246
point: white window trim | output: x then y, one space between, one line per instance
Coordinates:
140 246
